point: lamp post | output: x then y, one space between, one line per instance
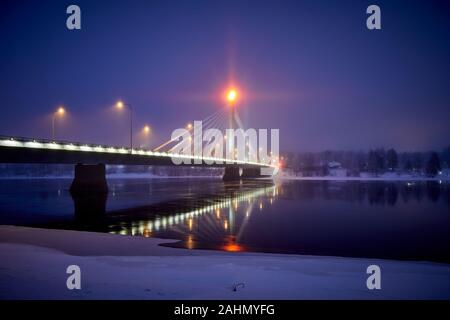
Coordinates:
231 98
60 112
120 105
146 132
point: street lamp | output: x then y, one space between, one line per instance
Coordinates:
231 98
145 132
121 105
60 113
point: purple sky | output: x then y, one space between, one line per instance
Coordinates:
310 68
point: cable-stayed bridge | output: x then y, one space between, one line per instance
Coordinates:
90 159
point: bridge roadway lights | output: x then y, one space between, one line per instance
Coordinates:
89 179
251 173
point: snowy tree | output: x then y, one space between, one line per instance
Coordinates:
445 157
373 162
391 160
408 166
433 165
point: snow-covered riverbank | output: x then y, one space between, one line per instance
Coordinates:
368 178
120 176
33 265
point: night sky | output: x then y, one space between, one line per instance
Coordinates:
310 68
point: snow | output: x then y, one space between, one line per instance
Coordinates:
48 177
112 176
367 177
153 176
33 264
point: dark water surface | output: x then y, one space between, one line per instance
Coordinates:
396 220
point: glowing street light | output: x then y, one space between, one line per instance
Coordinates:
189 126
231 96
121 105
145 132
60 113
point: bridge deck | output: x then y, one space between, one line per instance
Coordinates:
24 150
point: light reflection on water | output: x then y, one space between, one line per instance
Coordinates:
397 220
220 221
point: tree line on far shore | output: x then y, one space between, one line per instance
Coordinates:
375 161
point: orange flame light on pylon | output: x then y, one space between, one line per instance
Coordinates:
232 96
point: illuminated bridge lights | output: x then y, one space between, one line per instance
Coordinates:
69 146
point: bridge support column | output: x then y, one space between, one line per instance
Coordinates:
251 173
89 179
231 173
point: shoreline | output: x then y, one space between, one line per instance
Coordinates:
343 179
33 263
277 178
114 176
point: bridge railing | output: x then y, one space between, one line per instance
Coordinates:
63 142
24 142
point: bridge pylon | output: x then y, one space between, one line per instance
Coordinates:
231 173
89 179
251 173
